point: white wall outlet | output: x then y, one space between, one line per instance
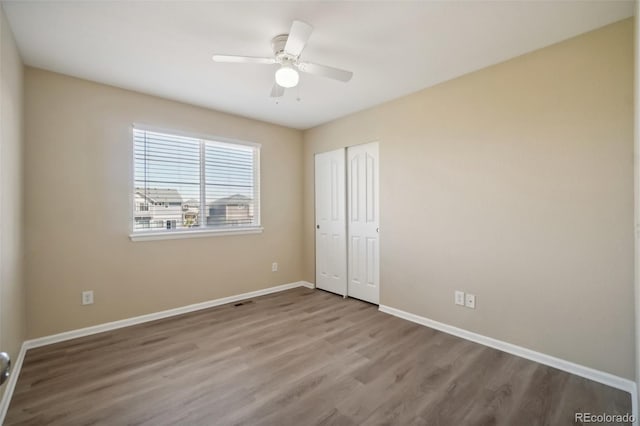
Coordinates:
459 298
470 301
87 297
274 267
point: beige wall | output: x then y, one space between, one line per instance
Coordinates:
78 181
514 183
13 322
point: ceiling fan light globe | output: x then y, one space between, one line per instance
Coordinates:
287 77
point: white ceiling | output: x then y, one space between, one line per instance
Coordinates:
393 48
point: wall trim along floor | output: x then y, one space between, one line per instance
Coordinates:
561 364
87 331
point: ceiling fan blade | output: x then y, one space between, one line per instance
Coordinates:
243 59
325 71
298 36
277 90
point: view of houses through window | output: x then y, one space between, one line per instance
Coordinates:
191 183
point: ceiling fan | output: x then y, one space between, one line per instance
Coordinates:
286 53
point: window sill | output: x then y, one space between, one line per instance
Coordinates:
174 235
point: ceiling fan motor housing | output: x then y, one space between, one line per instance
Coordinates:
278 44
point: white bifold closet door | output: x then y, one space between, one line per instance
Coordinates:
331 229
347 220
363 248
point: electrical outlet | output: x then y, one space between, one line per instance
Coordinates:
459 298
274 267
87 297
470 301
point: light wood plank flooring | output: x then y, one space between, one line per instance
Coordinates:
300 357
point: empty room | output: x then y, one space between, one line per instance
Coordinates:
319 212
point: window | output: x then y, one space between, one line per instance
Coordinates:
193 186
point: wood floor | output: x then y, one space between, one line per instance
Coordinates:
300 357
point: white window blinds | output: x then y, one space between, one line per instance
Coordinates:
184 183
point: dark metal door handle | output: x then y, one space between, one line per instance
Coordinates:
5 366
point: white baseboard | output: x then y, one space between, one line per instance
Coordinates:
87 331
561 364
307 284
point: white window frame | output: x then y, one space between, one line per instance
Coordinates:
164 234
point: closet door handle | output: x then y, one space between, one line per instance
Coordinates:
317 226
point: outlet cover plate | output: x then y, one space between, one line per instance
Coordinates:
87 297
459 298
470 301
